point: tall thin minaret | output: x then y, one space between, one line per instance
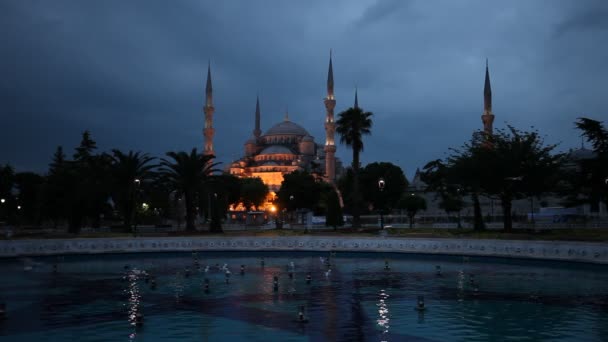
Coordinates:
209 131
356 99
330 126
257 131
487 118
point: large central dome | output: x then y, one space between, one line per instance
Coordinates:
286 128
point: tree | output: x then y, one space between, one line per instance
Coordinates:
187 174
452 203
509 164
412 203
458 175
333 215
518 164
228 190
299 190
7 182
395 184
89 186
86 148
56 189
130 174
588 183
253 192
352 125
345 186
216 196
513 165
29 186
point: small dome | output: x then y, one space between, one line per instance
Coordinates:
250 141
276 149
308 138
286 128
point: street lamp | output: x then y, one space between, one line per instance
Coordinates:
136 184
381 185
458 190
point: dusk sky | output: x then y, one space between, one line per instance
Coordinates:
133 72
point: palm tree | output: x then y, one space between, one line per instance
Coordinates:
352 125
188 174
130 171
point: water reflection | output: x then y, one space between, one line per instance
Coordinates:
133 301
460 285
383 313
353 306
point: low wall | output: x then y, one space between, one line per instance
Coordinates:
550 250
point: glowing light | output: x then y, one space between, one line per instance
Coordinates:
145 206
2 200
383 313
18 207
273 209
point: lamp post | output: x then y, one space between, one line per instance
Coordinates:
2 206
136 184
381 185
214 214
458 197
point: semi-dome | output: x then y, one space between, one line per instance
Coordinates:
286 128
276 149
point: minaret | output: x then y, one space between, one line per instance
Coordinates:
330 127
356 99
257 131
209 131
487 118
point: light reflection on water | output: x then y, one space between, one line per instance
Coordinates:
133 300
383 314
359 300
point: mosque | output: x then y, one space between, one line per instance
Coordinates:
284 148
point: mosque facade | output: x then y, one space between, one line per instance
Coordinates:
284 148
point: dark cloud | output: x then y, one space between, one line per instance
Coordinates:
133 72
589 17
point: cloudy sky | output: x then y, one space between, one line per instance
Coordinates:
133 72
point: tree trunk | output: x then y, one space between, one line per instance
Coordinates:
411 216
506 213
189 211
215 224
478 218
128 213
356 195
75 223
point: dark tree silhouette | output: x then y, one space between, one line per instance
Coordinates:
352 125
187 174
130 173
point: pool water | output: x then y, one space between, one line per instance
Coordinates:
96 298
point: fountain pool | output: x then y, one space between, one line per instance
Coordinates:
317 296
